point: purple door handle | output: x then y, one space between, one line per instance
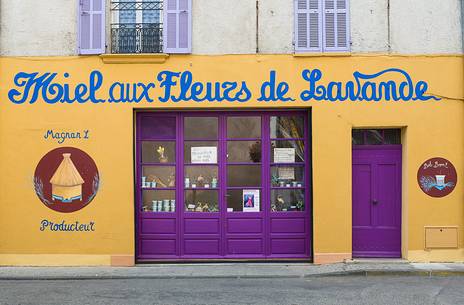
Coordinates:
375 201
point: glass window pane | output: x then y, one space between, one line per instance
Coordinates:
201 177
392 136
156 127
357 136
201 201
374 137
287 176
158 201
158 176
244 175
244 127
158 152
236 200
287 127
293 152
201 155
244 151
287 200
200 128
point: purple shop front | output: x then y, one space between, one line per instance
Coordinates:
223 185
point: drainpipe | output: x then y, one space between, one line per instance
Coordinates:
257 26
388 27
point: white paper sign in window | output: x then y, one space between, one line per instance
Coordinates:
284 155
206 154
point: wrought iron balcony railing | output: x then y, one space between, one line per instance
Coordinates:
137 26
137 38
133 5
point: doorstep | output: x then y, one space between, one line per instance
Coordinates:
377 261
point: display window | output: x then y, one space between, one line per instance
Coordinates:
219 185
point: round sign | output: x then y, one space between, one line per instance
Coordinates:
66 179
437 177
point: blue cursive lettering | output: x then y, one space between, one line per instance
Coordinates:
364 88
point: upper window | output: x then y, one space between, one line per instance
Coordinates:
376 136
137 26
321 26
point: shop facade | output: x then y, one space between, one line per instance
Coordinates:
237 157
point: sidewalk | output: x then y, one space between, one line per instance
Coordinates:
233 270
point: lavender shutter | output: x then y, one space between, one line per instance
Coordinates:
308 25
336 31
91 26
177 26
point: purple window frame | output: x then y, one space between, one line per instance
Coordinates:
222 139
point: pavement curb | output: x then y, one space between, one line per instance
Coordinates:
366 273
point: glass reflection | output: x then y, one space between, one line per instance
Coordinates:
244 175
158 176
244 127
158 152
235 201
244 151
201 201
287 127
287 200
295 154
200 128
201 177
158 201
287 176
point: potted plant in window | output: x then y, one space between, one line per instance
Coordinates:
255 152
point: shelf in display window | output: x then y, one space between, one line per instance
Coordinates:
157 164
158 188
157 213
288 164
201 188
287 187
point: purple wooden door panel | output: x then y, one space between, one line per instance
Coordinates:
183 234
376 201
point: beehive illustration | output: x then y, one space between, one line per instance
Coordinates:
66 181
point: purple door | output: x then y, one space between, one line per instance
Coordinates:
217 185
376 201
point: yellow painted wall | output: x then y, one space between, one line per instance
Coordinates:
430 129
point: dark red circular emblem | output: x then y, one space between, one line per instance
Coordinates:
66 179
437 177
